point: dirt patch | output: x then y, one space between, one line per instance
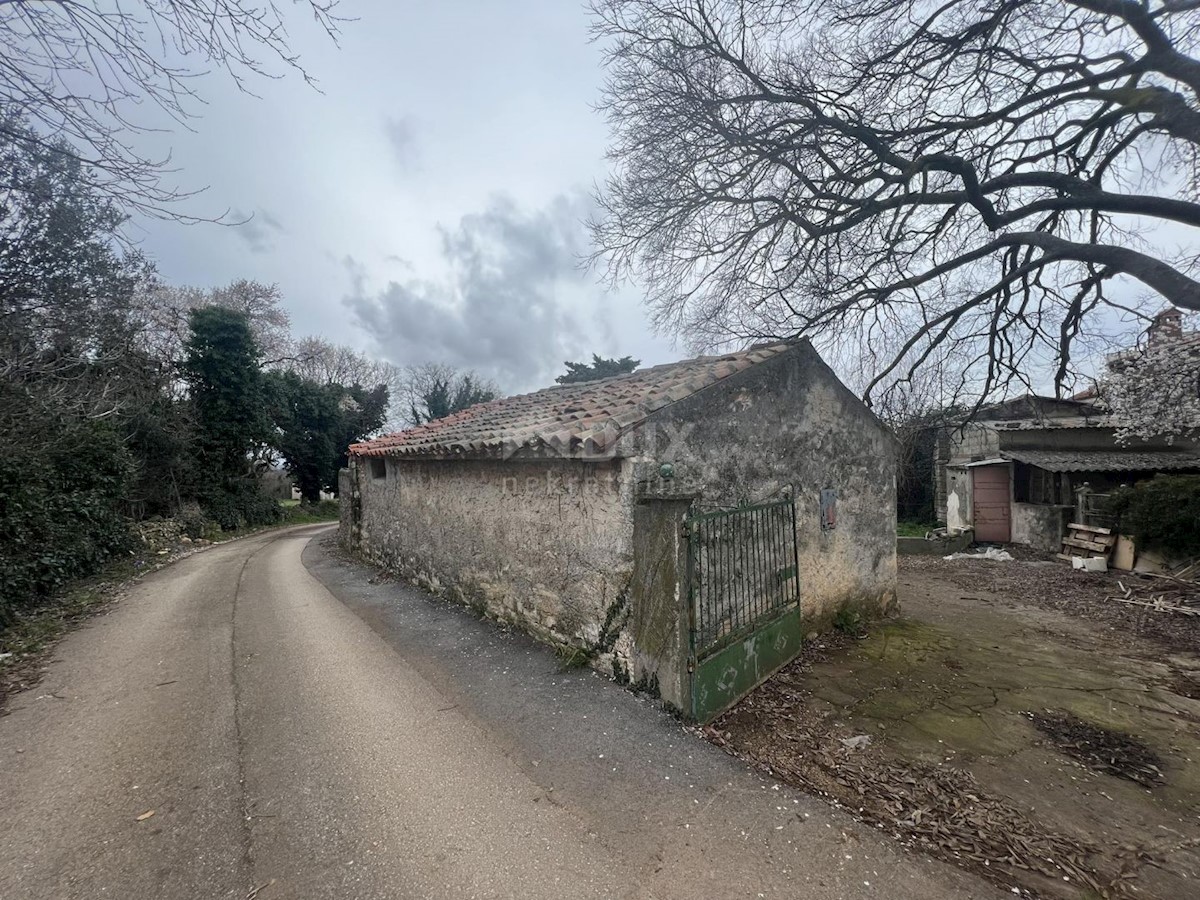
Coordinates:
957 767
1186 686
1052 584
1100 749
937 810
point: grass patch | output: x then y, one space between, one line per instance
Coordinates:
293 512
571 658
309 513
913 529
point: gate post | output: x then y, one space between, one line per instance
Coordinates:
659 621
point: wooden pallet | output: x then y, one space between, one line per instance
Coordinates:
1091 539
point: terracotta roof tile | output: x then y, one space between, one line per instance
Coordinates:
565 416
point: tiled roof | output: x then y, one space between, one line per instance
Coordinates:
571 419
1106 460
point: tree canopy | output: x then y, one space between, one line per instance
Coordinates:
599 367
122 398
435 391
315 424
228 394
918 180
66 288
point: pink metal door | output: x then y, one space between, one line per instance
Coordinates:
992 500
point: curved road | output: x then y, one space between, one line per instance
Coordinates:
305 738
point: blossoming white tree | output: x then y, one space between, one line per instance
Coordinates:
1153 391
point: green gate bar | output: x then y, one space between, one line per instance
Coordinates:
744 601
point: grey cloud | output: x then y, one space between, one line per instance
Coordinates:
508 307
258 229
401 133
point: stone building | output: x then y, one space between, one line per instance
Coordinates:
682 526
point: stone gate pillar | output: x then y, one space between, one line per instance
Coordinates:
659 620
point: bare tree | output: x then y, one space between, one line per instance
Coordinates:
324 362
84 71
433 390
163 314
904 177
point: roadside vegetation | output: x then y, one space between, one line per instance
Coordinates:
30 630
124 400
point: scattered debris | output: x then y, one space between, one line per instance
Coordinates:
858 742
941 810
995 554
1168 595
1186 686
1100 749
144 816
1038 581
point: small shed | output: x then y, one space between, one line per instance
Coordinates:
1025 469
683 526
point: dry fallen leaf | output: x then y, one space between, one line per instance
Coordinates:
144 816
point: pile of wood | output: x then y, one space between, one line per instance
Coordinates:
1088 540
1163 593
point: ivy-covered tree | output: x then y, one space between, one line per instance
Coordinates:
228 394
599 367
315 423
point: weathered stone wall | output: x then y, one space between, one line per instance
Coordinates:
973 443
545 543
348 504
590 553
1039 525
788 425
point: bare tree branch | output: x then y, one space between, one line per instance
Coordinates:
84 71
904 179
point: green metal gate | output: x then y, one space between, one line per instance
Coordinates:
744 601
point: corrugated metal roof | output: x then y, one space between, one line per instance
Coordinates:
1106 460
569 420
1053 424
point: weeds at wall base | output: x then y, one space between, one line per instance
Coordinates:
570 656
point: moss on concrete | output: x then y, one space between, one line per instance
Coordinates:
929 692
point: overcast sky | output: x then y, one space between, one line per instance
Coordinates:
426 205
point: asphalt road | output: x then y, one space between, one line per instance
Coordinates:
300 732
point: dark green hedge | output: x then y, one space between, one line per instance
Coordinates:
1161 514
62 514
